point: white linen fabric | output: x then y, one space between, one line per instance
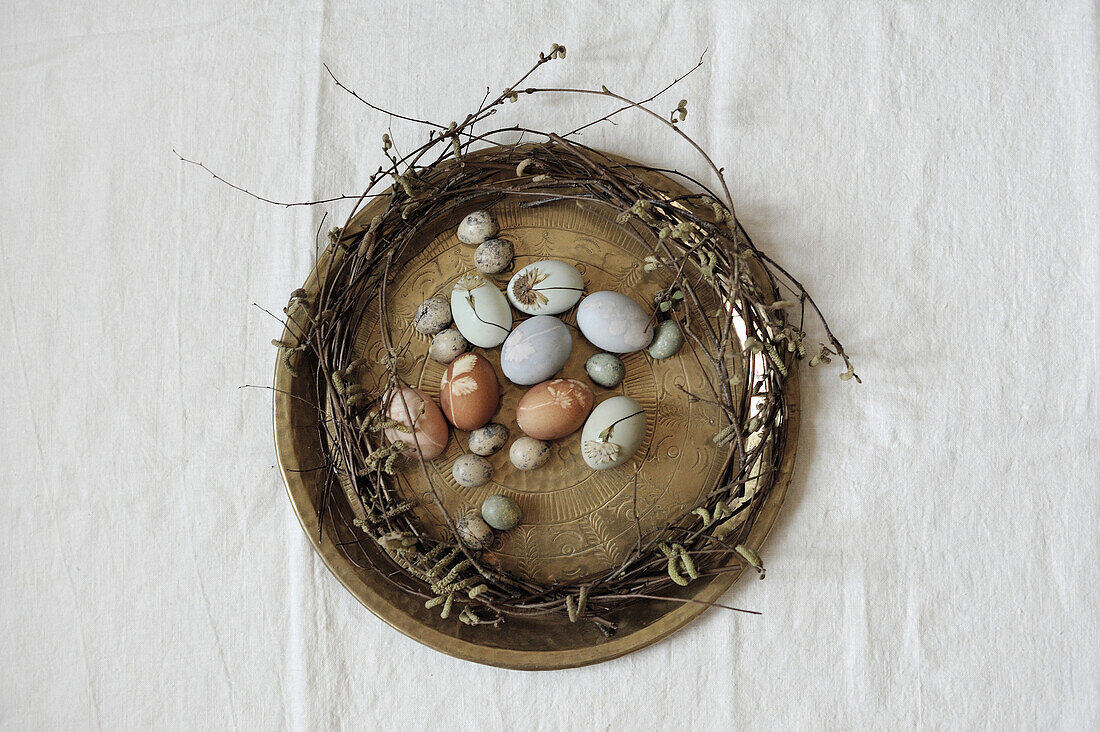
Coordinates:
929 170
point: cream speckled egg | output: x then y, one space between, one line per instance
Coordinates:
477 227
447 345
527 453
494 256
471 471
488 439
474 532
613 433
480 311
433 315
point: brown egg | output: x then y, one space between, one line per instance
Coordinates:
429 429
553 409
469 392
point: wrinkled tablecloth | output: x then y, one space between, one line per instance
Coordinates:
929 170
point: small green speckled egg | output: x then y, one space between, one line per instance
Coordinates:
605 369
501 512
667 341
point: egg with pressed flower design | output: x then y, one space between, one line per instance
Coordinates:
553 409
480 311
536 350
548 287
613 433
469 392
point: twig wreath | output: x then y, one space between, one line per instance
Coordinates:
743 313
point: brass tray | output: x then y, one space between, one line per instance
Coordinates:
576 521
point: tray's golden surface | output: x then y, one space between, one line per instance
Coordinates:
576 521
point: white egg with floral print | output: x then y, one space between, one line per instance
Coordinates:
613 322
548 287
480 311
535 350
613 433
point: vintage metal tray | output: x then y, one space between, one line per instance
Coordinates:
576 520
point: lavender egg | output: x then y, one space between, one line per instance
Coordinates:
613 322
536 350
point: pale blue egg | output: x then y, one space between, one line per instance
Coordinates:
614 322
536 350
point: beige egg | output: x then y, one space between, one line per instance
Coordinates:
527 453
477 227
469 391
553 409
429 428
474 532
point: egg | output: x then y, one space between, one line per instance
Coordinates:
613 433
613 322
494 256
474 532
605 369
433 315
480 311
535 350
527 453
447 345
488 439
667 341
554 409
501 512
471 471
545 288
469 392
429 429
477 227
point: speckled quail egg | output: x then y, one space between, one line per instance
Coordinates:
493 256
477 227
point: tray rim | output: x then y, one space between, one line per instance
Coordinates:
678 615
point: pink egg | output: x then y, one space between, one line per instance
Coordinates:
429 429
553 409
